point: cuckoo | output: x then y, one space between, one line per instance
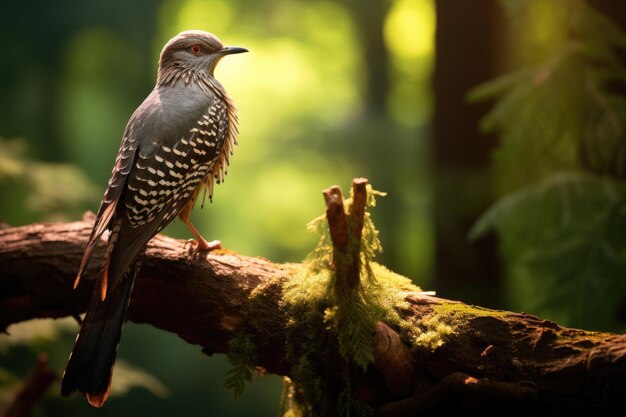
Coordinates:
177 143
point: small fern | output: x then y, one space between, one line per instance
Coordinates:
348 406
336 316
241 355
560 167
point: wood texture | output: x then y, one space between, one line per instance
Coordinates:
492 360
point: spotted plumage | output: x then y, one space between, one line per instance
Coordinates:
167 179
177 142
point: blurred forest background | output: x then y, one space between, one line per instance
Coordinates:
497 128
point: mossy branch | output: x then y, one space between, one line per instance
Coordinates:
357 312
465 358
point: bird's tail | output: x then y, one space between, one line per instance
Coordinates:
91 362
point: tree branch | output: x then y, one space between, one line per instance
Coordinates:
491 358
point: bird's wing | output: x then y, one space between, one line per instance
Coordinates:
166 173
108 206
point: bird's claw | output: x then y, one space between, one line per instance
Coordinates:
203 245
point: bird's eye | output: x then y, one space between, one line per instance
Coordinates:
196 49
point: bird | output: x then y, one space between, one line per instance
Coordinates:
177 143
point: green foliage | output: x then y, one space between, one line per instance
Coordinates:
52 191
560 167
565 238
241 355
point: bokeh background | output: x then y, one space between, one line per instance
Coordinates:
497 128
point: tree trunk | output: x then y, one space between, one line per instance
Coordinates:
461 151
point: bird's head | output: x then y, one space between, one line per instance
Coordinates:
193 51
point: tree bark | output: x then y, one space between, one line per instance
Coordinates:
493 359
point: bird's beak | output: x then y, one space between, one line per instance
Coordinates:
229 50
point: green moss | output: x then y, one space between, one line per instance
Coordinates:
327 320
326 324
431 331
426 335
314 333
462 312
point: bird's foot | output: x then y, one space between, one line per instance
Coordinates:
204 246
